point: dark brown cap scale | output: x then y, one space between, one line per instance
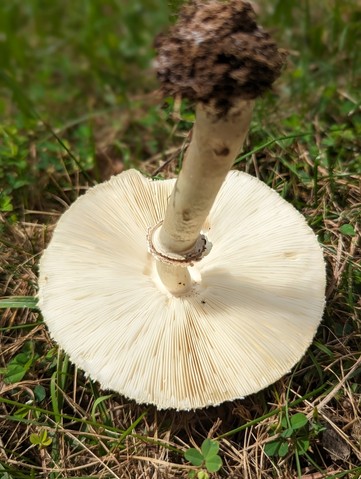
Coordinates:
216 51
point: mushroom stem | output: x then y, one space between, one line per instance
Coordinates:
217 56
176 279
216 140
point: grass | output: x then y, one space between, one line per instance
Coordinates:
78 104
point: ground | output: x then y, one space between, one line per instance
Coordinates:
79 103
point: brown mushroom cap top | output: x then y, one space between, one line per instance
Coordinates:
216 51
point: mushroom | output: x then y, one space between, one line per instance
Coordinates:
187 293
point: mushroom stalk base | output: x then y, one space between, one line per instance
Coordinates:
176 279
174 272
216 141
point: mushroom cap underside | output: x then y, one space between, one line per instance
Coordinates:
256 302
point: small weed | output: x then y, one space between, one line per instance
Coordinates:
294 435
41 439
20 364
207 459
347 230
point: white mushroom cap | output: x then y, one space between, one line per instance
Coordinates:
256 303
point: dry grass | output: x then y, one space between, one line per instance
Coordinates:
97 442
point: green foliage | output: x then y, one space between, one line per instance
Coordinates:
61 67
20 364
347 230
41 439
207 458
174 7
39 393
194 457
95 42
14 168
294 434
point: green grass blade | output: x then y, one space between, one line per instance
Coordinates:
131 428
98 402
55 397
269 143
19 302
